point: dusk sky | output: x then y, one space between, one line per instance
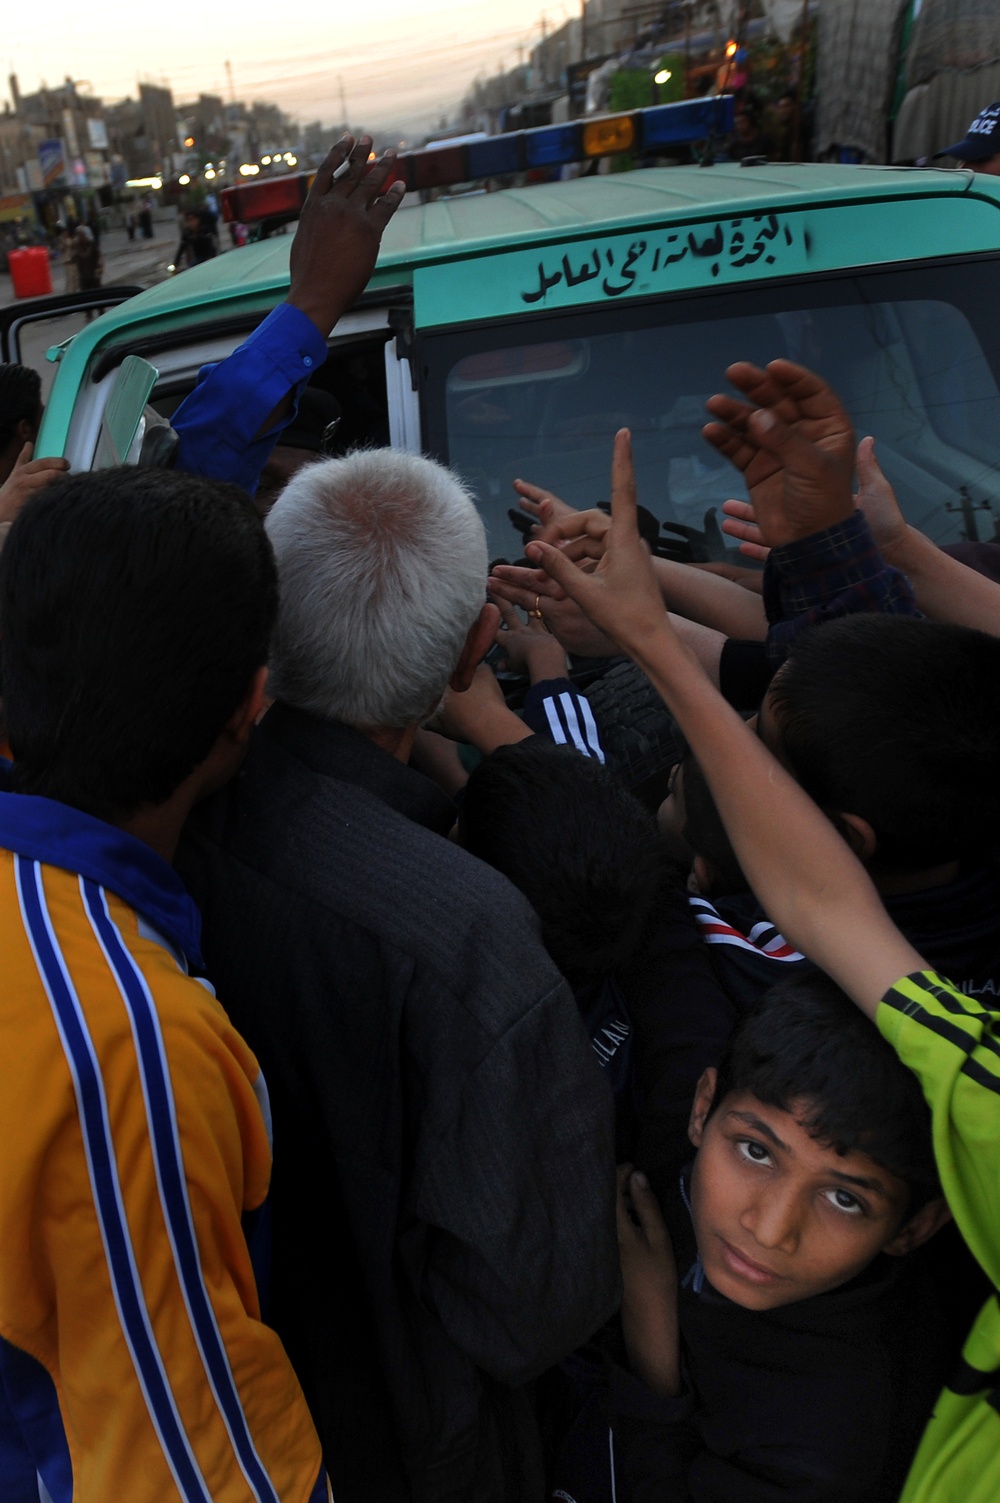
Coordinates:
400 62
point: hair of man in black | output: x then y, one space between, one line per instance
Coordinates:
897 720
583 851
806 1049
135 608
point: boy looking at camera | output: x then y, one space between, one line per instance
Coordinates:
794 442
779 1343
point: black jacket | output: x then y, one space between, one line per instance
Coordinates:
956 927
822 1401
443 1192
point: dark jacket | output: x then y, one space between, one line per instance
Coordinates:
682 1018
956 927
443 1191
821 1401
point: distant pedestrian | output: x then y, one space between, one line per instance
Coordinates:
87 254
67 249
197 243
146 219
89 262
130 224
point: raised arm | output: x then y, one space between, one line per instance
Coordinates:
708 599
794 444
711 600
801 871
945 588
231 421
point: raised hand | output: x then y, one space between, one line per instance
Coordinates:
620 595
529 646
740 521
339 231
478 715
532 589
545 506
581 533
28 476
875 497
794 444
649 1280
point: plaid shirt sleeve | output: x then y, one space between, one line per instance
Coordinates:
831 573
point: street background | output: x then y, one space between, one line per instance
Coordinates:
130 262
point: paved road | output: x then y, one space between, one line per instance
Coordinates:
135 263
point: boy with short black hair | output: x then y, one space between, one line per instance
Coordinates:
20 413
587 856
135 613
811 883
781 1347
614 918
584 852
884 721
889 724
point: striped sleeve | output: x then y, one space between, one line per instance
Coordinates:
952 1043
158 1302
555 709
762 939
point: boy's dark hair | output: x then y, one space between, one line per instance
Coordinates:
807 1048
135 607
897 720
20 399
584 852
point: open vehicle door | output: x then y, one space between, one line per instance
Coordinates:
13 320
131 431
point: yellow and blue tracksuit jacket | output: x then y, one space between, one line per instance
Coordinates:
134 1363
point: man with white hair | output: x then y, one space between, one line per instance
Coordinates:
443 1187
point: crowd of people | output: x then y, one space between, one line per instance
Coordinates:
398 1107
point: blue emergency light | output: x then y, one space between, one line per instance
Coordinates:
639 132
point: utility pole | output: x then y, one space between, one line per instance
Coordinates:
229 75
343 99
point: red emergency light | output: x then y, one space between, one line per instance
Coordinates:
274 198
656 129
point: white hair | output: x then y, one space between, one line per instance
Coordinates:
382 568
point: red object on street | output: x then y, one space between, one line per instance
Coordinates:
30 273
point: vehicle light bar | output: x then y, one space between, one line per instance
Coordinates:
273 198
639 131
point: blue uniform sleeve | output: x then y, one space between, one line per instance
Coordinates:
219 424
555 709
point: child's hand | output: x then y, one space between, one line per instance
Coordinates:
621 596
649 1275
529 647
579 533
27 476
532 589
877 500
541 504
479 715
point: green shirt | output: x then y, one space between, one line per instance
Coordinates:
952 1043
